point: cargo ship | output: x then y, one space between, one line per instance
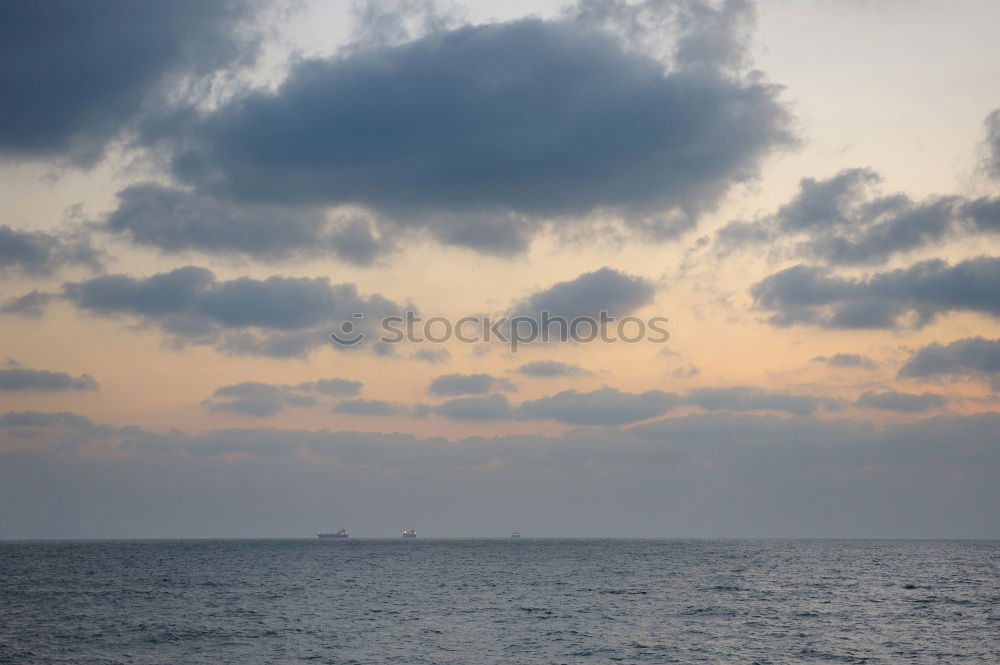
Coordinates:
409 533
339 534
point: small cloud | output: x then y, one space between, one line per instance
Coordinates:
606 406
686 372
749 398
552 368
257 399
432 356
485 408
846 360
469 384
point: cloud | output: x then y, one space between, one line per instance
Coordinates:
337 387
482 133
606 289
15 378
36 253
369 407
902 402
67 87
846 360
485 408
991 127
841 221
552 368
254 398
747 398
811 295
469 384
432 356
175 220
975 357
278 316
30 304
26 419
606 406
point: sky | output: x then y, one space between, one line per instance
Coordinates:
805 195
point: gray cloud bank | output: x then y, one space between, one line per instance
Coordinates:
699 475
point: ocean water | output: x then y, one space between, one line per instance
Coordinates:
499 601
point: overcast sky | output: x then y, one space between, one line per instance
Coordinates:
195 195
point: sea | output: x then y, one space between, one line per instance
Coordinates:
504 600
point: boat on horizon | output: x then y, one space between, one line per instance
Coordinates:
409 533
516 534
342 533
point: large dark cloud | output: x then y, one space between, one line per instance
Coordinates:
892 400
481 132
175 220
16 378
975 357
606 406
37 253
842 221
256 399
277 316
812 295
748 398
468 384
75 74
